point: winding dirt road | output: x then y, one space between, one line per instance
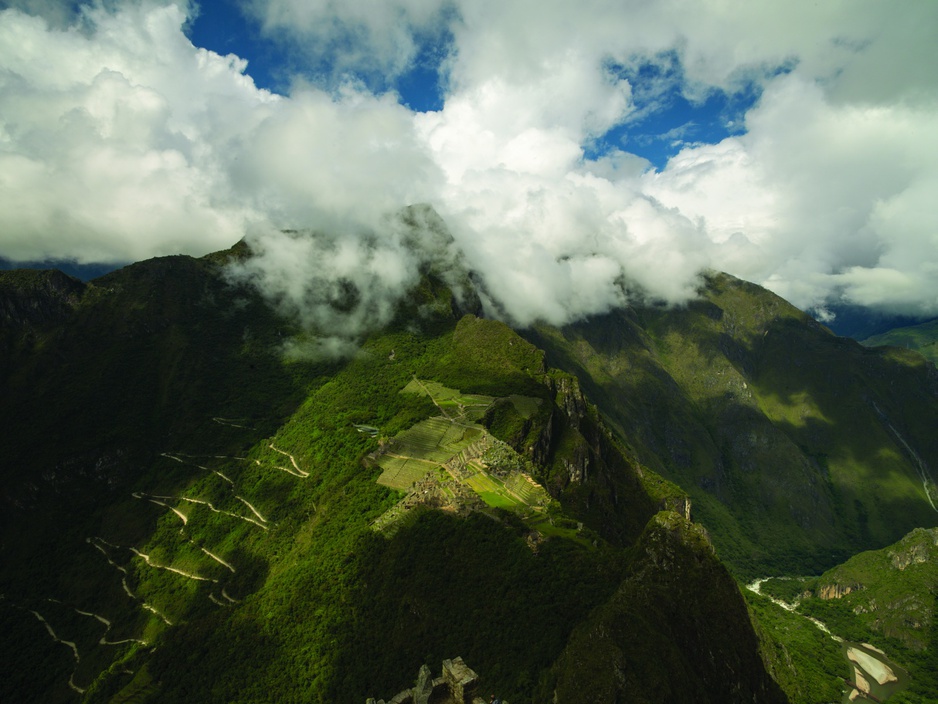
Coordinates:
298 472
99 543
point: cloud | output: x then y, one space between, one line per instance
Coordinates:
336 162
820 200
336 37
120 140
341 284
105 155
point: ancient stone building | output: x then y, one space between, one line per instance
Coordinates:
458 684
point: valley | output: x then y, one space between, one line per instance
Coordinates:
874 677
258 528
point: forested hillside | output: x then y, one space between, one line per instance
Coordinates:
192 514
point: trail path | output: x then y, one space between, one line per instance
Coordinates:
155 498
70 644
107 629
413 459
150 563
298 473
427 392
178 457
98 543
231 422
217 559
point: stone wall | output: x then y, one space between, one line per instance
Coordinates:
458 684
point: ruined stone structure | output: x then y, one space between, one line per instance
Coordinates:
458 684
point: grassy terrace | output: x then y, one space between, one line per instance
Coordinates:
425 446
453 404
430 444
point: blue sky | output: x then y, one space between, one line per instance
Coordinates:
567 147
670 119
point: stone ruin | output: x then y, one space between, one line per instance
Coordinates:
458 684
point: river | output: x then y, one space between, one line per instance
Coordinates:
873 672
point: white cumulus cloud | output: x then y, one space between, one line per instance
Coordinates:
119 140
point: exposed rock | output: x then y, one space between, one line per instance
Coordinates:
876 669
836 591
37 297
922 543
458 685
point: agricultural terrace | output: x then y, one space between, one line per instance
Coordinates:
453 448
456 406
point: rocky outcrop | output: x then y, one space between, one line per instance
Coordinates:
915 549
836 591
677 630
580 462
458 684
29 297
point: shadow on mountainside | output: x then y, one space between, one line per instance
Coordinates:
785 436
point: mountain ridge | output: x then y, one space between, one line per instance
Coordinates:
222 459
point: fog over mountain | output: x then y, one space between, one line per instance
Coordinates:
120 140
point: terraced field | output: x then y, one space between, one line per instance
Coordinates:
526 489
428 444
440 443
452 404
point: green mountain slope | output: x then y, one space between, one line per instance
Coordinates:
653 640
188 516
922 338
884 597
798 448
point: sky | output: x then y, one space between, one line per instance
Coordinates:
576 152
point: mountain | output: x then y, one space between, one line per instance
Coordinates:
922 338
190 515
860 322
82 272
798 448
886 597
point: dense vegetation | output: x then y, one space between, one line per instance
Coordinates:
676 630
199 527
888 597
923 338
799 448
244 474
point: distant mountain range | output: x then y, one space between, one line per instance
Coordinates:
922 338
188 515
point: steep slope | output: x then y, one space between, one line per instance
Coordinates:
799 448
202 526
886 597
189 515
676 630
922 338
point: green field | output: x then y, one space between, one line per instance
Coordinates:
414 452
492 491
401 474
417 450
456 405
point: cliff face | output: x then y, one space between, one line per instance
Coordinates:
677 630
889 591
29 297
579 460
756 410
836 591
